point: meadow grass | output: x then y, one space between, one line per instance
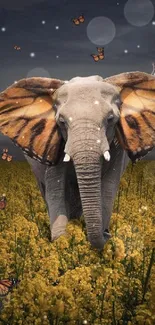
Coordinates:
68 282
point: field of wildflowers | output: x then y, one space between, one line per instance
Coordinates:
67 282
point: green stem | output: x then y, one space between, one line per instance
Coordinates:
148 273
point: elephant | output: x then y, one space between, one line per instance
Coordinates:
78 137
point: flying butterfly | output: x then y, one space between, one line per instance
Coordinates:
3 202
100 49
5 155
79 20
9 158
99 56
6 285
95 57
5 150
17 47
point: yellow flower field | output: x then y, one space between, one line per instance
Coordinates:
68 282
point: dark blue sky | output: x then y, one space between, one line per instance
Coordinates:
64 51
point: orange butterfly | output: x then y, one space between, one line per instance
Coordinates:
6 286
17 47
9 158
5 150
79 20
5 156
3 202
100 49
100 56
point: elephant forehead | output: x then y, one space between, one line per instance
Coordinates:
86 79
87 87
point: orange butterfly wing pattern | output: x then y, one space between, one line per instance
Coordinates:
95 57
79 20
9 158
76 21
6 286
27 117
100 49
17 47
100 55
4 156
136 128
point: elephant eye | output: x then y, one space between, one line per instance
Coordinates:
110 118
61 119
118 102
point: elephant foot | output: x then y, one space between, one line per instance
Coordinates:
58 228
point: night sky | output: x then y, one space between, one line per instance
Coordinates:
53 46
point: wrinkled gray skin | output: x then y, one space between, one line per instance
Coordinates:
87 113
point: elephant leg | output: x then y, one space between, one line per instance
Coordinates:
111 174
39 171
55 198
73 200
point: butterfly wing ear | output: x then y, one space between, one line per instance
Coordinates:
136 127
27 117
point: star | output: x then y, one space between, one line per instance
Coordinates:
138 46
57 56
125 51
32 55
153 22
56 27
43 22
3 29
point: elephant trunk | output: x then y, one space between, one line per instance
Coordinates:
89 182
85 151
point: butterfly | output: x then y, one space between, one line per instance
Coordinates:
3 202
79 20
5 155
100 55
9 158
6 286
17 47
100 50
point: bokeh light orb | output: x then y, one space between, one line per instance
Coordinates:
139 12
101 30
38 72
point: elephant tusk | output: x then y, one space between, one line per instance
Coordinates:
106 155
67 157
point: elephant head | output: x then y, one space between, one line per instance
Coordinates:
55 121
